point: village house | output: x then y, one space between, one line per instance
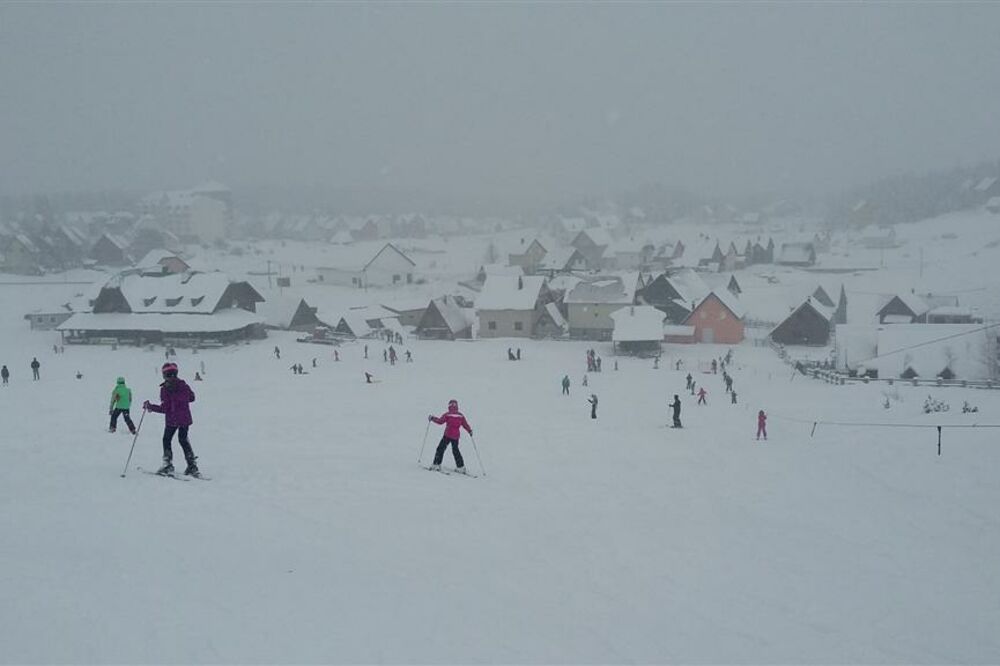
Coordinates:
796 254
551 322
592 242
590 304
445 319
809 324
162 262
389 267
509 306
638 330
188 309
718 319
939 351
903 309
675 293
562 260
530 258
409 312
111 250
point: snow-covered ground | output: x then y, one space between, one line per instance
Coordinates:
319 539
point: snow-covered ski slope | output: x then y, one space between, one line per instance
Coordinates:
617 540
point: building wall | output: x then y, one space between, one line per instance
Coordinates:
592 320
385 269
714 323
506 321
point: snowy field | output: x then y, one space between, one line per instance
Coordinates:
319 539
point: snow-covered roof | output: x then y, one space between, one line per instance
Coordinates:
605 289
183 292
226 320
689 285
409 305
558 259
950 311
915 304
154 257
729 300
637 323
279 310
564 282
556 315
356 322
454 316
985 184
508 292
930 348
598 235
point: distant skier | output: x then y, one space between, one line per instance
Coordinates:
368 378
702 393
518 353
690 381
453 421
676 405
593 405
392 356
314 361
121 403
5 375
336 355
197 377
598 361
277 352
565 384
585 381
693 387
732 394
715 366
409 356
366 352
175 399
656 363
385 355
35 365
510 354
761 424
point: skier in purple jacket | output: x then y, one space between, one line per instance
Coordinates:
175 396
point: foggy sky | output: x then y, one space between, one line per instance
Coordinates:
507 102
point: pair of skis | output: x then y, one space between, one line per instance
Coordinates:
175 477
448 471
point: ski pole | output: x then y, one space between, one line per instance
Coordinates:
135 437
476 449
424 443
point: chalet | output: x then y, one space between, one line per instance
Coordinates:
353 326
510 306
19 254
638 330
193 308
47 319
796 254
444 319
111 250
162 262
903 309
809 324
675 293
718 319
562 260
945 351
590 304
389 267
288 313
592 243
551 323
530 258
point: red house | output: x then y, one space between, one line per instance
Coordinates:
718 319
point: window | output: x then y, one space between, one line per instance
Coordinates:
722 315
395 279
409 278
148 301
492 325
704 315
196 301
171 302
518 325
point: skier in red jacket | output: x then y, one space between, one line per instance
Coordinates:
453 421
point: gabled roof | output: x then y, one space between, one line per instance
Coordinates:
454 316
605 289
155 258
637 323
727 299
391 248
913 303
553 311
689 285
507 292
279 310
194 293
560 259
598 236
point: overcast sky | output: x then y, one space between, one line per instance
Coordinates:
507 102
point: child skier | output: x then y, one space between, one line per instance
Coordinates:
453 421
761 425
175 397
121 402
701 395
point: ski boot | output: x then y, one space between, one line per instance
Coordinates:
460 470
435 468
167 469
112 430
192 469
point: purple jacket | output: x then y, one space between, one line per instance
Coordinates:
174 403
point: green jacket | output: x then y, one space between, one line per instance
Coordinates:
121 397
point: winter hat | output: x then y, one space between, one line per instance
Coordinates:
169 369
120 380
453 403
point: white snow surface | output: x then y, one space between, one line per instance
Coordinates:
616 540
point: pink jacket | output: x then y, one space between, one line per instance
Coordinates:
453 421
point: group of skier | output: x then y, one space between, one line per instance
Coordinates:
34 365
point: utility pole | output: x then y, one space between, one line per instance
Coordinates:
268 273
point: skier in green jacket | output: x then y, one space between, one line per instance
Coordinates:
121 402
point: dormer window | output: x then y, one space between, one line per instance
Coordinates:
172 302
148 301
195 302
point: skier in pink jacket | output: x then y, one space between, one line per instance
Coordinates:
453 421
